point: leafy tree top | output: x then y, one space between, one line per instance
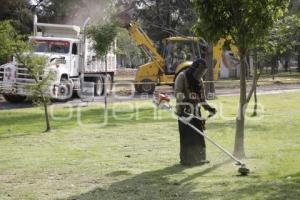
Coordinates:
247 22
10 41
103 35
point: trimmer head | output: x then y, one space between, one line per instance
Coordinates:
243 170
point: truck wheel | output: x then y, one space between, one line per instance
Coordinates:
108 83
14 98
145 86
99 86
65 91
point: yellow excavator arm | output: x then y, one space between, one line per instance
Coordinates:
217 54
143 41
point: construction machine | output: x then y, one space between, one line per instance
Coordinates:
178 54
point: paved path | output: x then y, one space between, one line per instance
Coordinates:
125 95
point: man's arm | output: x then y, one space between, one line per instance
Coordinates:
203 101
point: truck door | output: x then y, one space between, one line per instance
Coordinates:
74 60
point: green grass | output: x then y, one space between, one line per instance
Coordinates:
138 159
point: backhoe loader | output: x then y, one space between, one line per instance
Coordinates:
178 54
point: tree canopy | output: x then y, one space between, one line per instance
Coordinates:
246 22
10 41
103 35
71 11
19 13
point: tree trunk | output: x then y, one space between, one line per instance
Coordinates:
48 127
239 150
105 84
255 103
255 75
210 86
273 63
298 61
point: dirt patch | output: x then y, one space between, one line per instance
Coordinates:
126 72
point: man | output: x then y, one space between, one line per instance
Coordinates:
180 55
190 97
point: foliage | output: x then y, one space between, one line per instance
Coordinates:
103 35
281 40
162 19
10 41
71 11
284 34
246 22
19 12
294 7
36 66
57 11
126 45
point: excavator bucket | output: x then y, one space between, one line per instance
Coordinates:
126 17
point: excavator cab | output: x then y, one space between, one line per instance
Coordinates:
179 52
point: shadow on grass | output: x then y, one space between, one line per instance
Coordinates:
157 185
151 185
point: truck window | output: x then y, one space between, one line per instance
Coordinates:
74 49
51 46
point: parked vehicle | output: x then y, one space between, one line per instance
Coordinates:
70 55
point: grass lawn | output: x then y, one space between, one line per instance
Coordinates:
135 156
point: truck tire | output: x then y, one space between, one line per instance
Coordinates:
145 86
14 98
99 86
65 91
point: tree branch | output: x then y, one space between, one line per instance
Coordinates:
254 82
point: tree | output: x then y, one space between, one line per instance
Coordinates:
294 7
284 36
243 23
71 11
162 19
8 39
209 85
13 44
36 68
281 40
103 35
127 47
19 13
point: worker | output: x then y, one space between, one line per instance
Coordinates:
180 55
190 97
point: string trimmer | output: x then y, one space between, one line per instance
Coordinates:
162 101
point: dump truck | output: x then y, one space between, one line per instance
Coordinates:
70 56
